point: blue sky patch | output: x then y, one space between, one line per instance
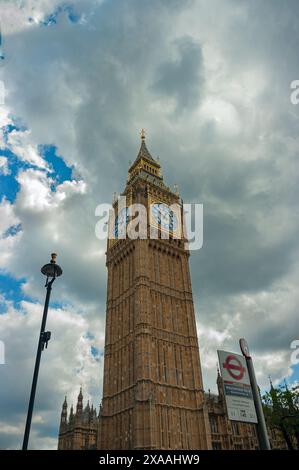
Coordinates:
89 335
12 231
8 187
11 289
295 375
95 352
60 305
57 164
53 17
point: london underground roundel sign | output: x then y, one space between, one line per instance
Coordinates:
237 387
234 367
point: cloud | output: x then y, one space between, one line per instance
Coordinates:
36 194
19 144
17 16
182 78
217 111
67 363
8 240
4 170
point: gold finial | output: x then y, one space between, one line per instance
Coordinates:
142 134
53 258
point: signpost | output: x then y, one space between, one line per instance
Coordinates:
237 388
261 425
241 391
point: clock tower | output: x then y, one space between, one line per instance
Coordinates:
153 394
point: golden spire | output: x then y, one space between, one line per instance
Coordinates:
142 134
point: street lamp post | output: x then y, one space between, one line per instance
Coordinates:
261 425
52 271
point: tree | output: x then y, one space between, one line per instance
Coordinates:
281 409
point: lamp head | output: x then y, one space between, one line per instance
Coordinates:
52 269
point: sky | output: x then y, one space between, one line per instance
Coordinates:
211 84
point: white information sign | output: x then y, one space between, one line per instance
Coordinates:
237 388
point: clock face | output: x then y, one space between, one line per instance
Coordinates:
121 221
164 217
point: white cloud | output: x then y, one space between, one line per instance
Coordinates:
267 320
36 194
19 144
5 120
8 241
223 114
4 170
66 364
15 14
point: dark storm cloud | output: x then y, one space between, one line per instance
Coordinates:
182 78
110 69
235 259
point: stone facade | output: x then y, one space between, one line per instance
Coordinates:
153 396
79 430
234 435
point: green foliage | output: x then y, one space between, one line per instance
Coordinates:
281 409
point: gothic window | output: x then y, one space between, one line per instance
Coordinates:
164 427
178 366
159 366
169 428
152 264
238 447
178 316
164 365
175 365
235 428
213 424
161 311
170 270
186 429
157 270
216 445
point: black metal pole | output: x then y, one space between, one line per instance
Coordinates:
36 367
261 425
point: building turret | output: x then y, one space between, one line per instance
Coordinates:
63 418
219 382
91 413
86 413
79 408
71 418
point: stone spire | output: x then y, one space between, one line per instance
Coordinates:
80 402
71 419
219 382
91 413
63 418
144 163
143 151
